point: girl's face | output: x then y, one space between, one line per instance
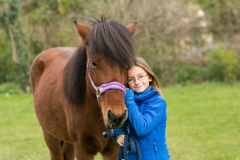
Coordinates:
138 79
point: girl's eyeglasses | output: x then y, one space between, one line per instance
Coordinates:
139 78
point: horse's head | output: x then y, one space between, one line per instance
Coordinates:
110 49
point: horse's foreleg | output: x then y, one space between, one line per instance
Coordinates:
68 151
110 152
54 145
82 153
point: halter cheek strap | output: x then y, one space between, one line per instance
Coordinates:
106 86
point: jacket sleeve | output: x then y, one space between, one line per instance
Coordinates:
144 123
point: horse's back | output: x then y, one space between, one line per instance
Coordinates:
50 61
46 78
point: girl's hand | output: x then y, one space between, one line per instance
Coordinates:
120 139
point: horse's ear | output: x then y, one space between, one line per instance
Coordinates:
82 30
132 27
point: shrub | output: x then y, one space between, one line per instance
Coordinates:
222 64
10 88
185 73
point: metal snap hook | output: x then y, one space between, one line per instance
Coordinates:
98 92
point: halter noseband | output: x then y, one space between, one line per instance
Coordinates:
106 86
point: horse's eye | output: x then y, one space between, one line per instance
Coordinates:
94 64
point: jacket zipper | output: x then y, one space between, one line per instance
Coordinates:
155 146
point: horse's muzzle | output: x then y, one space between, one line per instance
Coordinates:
116 121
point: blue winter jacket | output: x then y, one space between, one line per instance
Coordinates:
147 117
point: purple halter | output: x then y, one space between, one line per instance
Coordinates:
106 86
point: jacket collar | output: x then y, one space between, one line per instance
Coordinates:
146 96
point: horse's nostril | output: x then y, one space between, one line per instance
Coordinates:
111 116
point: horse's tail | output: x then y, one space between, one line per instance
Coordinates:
37 69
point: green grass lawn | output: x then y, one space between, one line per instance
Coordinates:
203 124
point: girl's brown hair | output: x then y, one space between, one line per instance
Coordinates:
140 62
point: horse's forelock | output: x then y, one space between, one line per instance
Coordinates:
113 40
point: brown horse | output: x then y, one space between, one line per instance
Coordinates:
79 92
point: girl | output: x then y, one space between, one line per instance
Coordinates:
146 113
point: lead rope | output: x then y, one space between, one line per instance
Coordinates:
130 145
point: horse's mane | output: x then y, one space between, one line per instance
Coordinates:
110 38
74 83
